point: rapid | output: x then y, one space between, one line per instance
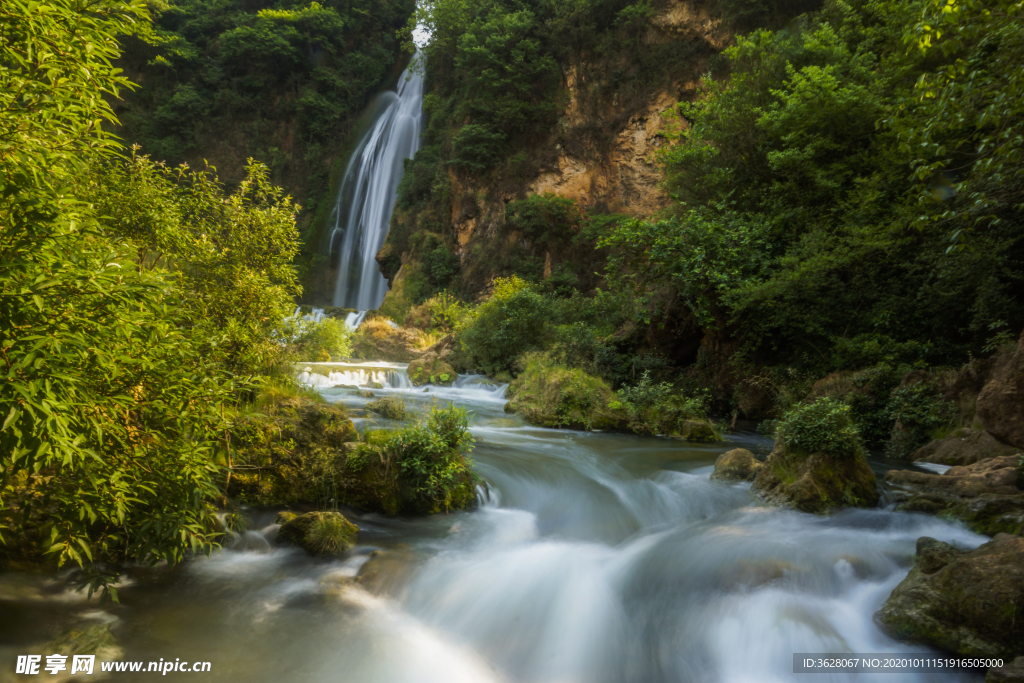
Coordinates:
596 558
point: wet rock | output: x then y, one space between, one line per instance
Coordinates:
375 385
284 517
739 464
959 601
818 483
431 369
962 447
984 496
366 393
323 534
1013 672
1001 403
387 570
993 475
390 407
699 431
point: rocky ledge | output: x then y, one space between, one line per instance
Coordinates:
960 601
986 496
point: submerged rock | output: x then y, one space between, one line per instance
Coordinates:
739 464
323 534
959 601
818 482
962 447
985 495
1013 672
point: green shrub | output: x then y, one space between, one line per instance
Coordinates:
824 426
330 336
660 408
330 535
432 457
916 412
552 395
512 322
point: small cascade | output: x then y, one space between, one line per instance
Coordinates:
326 375
362 213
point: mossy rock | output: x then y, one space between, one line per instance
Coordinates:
817 482
552 395
431 370
964 602
376 339
699 431
321 534
739 464
390 407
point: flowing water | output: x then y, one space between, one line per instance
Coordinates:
367 195
592 558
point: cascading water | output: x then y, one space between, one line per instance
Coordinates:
367 195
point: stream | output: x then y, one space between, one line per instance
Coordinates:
592 558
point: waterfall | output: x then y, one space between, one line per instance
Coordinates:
367 195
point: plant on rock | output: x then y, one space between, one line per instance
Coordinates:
824 426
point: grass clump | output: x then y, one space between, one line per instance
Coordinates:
552 395
330 535
823 426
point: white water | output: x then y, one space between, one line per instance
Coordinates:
366 198
595 558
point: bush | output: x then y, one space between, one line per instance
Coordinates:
330 336
660 408
824 426
915 412
512 322
432 457
552 395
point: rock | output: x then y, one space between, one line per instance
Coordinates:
1001 403
386 570
375 385
284 517
1013 672
390 407
376 339
739 464
431 369
993 475
700 431
984 496
962 447
366 393
322 534
959 601
817 483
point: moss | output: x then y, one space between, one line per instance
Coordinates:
700 431
817 482
432 370
551 395
323 534
390 407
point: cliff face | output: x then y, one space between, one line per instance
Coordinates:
601 154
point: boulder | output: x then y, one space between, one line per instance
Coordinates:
739 464
817 483
322 534
963 602
962 447
984 496
1013 672
431 369
389 406
699 431
1000 405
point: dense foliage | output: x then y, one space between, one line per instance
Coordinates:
841 194
821 426
137 303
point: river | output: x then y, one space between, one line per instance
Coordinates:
592 558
